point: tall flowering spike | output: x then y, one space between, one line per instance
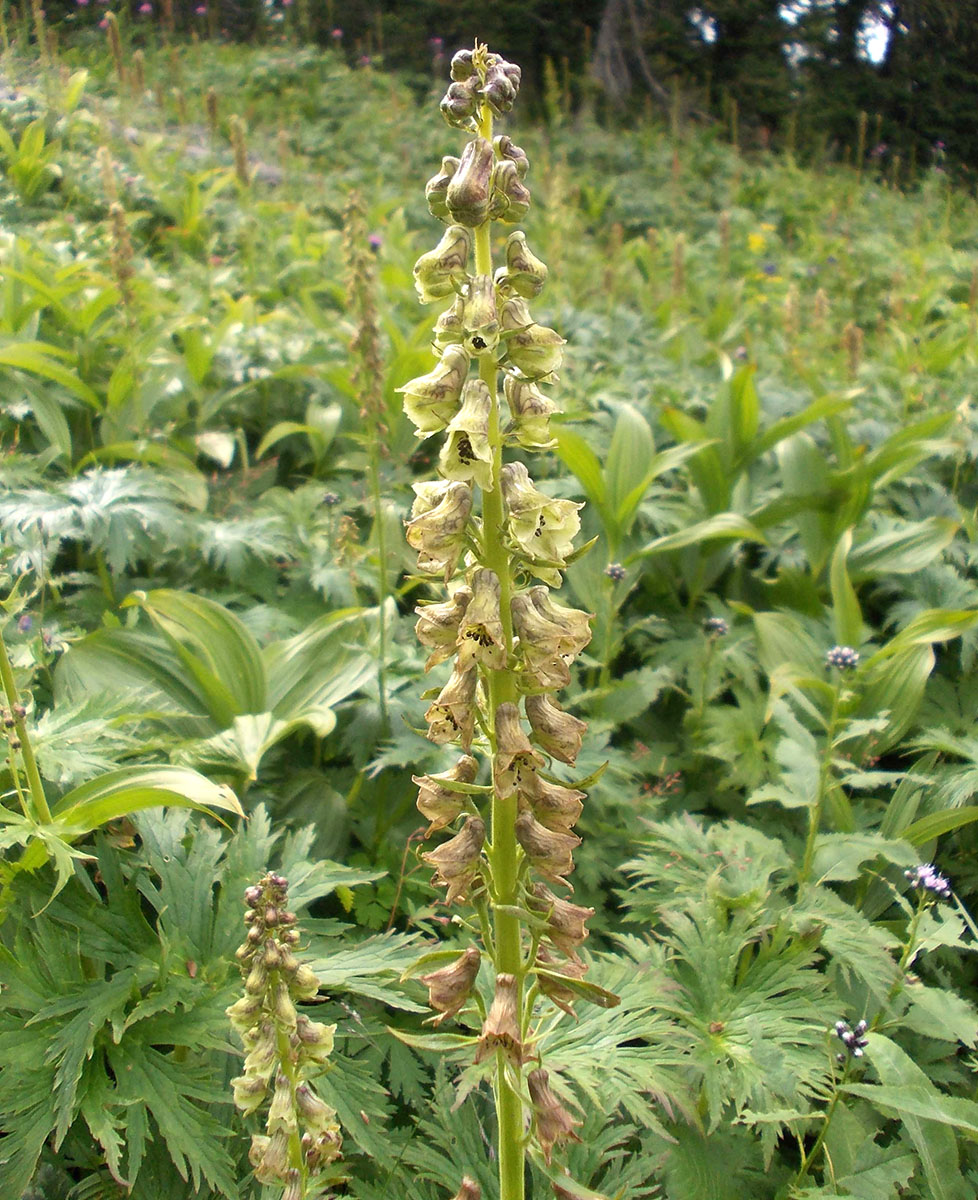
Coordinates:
281 1044
485 521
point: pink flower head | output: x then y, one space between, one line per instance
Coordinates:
336 34
104 23
82 3
201 10
364 60
435 43
375 241
146 8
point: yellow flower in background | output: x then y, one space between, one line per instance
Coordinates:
756 242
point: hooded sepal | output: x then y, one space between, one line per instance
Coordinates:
515 759
480 323
466 454
437 527
451 717
557 807
552 1123
549 853
480 636
541 527
531 411
524 273
442 271
437 187
560 734
458 860
431 400
467 194
501 1029
566 922
534 350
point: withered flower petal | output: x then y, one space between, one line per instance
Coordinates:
556 731
452 715
437 626
552 1122
549 852
439 804
456 861
501 1028
449 988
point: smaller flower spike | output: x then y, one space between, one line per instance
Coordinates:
556 731
452 715
439 804
456 861
501 1028
438 625
549 853
449 988
551 1121
437 526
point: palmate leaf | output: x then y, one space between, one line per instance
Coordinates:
167 1090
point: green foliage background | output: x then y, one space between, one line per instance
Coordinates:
769 392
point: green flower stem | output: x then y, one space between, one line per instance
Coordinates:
504 853
824 782
39 801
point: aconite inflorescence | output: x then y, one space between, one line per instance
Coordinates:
499 543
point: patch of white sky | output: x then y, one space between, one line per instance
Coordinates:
873 36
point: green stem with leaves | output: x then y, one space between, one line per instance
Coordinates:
39 801
824 784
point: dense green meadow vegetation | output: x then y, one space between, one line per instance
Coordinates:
768 406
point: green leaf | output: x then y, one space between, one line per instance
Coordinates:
36 358
323 665
935 825
934 625
440 1043
839 856
629 456
723 527
132 789
214 646
903 551
929 1117
847 619
590 992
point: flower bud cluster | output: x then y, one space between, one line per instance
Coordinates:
852 1038
510 644
926 878
281 1044
843 658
